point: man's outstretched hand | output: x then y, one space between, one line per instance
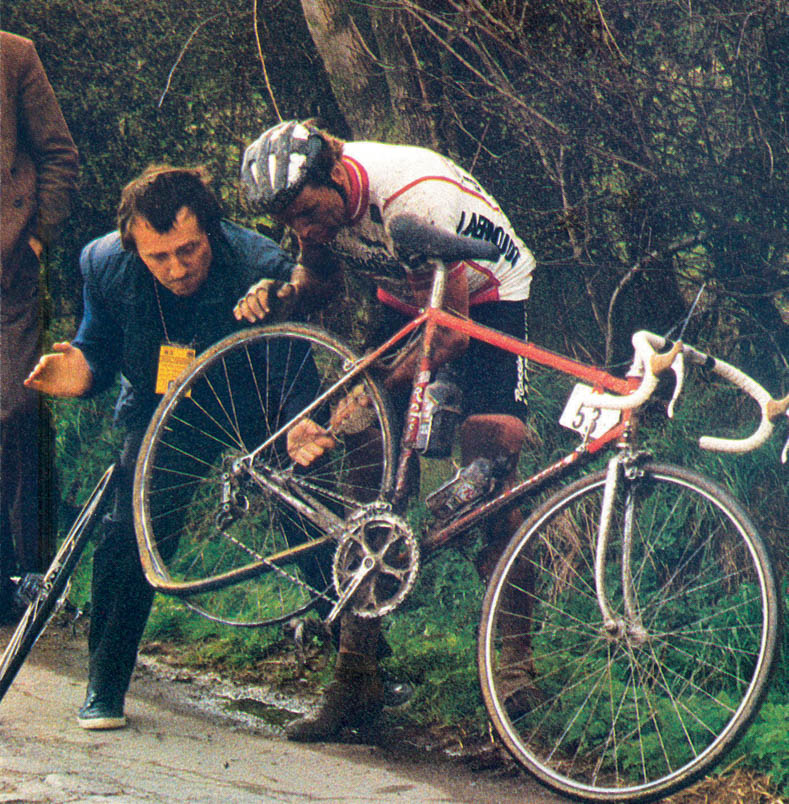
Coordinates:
63 372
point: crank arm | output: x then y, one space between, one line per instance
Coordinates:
365 568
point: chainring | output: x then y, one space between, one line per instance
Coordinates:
374 532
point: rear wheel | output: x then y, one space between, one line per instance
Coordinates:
632 712
242 552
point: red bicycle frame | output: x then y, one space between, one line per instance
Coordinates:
434 317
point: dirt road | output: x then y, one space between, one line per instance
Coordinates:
177 751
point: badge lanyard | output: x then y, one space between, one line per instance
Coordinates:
174 358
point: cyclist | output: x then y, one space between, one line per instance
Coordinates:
156 291
342 200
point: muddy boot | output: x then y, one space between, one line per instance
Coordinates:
353 699
515 671
102 709
518 691
107 684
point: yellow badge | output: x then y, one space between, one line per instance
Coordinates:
173 360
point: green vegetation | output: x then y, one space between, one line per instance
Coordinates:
640 149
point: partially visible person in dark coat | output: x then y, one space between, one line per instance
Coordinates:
38 180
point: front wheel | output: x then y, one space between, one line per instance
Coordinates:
635 710
223 515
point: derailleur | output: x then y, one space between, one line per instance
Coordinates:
375 564
234 502
31 586
28 588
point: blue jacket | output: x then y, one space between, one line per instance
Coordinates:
122 327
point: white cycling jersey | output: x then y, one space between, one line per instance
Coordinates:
390 180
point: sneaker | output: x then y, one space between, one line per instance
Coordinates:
97 713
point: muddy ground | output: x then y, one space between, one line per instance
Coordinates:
475 767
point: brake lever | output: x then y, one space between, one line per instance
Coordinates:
678 367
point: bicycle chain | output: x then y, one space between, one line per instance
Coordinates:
278 570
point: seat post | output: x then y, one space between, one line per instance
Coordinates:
439 287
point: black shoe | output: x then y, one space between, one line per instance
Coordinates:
101 712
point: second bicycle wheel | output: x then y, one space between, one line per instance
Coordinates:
633 709
200 516
53 586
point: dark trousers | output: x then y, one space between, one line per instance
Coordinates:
28 493
121 597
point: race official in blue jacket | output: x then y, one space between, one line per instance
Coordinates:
169 276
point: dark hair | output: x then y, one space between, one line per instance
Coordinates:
157 195
330 154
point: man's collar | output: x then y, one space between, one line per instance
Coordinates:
359 189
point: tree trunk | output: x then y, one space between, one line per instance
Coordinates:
356 80
413 109
372 64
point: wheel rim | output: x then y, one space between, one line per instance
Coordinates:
201 513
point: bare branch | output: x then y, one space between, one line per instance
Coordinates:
656 255
263 60
181 55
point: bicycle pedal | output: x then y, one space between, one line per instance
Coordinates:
397 693
28 588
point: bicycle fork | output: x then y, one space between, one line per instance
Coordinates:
630 624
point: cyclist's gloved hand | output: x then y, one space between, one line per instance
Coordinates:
354 413
307 441
267 297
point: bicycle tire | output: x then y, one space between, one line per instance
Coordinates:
55 582
265 562
606 716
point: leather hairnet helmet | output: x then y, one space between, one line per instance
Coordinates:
278 163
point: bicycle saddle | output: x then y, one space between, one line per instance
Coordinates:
414 238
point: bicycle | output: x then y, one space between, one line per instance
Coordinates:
47 594
654 613
654 616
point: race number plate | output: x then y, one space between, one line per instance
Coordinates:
585 419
